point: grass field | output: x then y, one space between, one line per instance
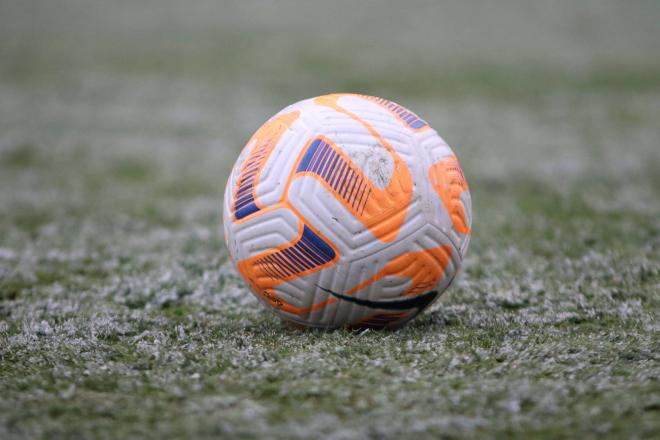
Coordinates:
120 316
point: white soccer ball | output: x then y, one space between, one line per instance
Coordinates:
347 210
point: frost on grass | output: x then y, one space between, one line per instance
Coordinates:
119 312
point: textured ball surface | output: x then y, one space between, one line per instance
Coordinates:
347 210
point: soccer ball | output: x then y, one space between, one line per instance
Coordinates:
347 210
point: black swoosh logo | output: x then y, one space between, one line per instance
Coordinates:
415 302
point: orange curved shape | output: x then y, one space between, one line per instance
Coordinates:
448 180
308 253
405 116
245 201
292 260
384 211
424 268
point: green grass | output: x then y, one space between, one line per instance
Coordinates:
120 315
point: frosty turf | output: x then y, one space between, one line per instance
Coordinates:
120 315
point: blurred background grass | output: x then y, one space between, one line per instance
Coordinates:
504 83
119 123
